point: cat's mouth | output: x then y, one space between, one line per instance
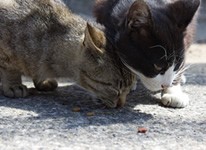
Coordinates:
118 103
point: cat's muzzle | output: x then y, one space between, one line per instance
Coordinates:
117 103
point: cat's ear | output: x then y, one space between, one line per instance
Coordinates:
183 11
94 39
138 15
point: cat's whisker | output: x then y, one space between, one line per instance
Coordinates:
160 46
124 63
190 65
180 71
171 55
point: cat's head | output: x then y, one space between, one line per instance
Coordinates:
101 70
151 40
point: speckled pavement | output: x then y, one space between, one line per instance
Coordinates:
47 120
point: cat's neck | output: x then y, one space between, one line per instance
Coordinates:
64 52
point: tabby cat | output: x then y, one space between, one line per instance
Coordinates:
44 40
151 38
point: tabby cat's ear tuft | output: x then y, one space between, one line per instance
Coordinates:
138 15
94 39
183 11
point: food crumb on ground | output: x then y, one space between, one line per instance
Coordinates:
90 114
76 109
142 130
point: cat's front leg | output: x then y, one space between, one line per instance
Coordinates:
174 97
45 85
12 84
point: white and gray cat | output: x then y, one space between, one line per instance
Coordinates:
42 39
151 38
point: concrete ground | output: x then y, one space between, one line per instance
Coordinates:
49 121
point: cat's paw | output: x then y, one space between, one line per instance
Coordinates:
16 91
46 85
179 100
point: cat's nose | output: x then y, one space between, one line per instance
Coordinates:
165 86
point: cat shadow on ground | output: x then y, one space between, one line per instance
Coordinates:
62 104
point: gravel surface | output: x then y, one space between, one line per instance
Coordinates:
48 120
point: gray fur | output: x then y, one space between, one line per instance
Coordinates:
45 40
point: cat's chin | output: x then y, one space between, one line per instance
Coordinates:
152 84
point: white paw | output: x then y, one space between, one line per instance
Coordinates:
179 100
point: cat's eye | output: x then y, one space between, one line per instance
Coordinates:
158 68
